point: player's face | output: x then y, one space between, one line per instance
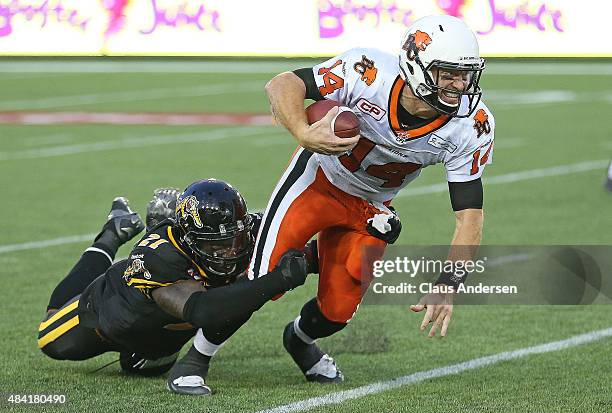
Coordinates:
451 83
225 249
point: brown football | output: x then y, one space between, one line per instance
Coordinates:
345 125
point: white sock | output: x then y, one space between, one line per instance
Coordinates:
101 251
204 346
298 332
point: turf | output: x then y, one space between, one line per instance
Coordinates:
48 193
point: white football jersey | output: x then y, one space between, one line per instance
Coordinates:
390 155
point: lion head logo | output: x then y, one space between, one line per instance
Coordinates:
369 76
188 207
481 122
366 69
415 43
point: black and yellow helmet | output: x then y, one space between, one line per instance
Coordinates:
215 226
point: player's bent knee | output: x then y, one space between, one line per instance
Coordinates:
339 312
50 351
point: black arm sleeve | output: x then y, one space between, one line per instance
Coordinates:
216 309
312 91
466 195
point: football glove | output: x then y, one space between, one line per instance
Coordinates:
386 227
162 206
293 267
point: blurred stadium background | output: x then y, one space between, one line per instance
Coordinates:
77 131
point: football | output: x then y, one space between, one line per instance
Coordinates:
344 125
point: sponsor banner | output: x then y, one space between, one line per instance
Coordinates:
292 28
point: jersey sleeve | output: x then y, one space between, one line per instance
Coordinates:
147 270
469 164
336 78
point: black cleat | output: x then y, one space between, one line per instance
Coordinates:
133 363
124 223
316 365
188 375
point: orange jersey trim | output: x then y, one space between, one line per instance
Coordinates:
415 133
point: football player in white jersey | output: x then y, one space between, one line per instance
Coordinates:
419 110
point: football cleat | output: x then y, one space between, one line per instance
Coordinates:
316 365
133 363
124 223
188 375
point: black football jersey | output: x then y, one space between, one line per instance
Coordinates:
119 303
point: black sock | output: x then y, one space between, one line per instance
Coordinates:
314 324
108 241
194 355
91 264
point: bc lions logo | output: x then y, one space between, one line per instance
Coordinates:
416 42
366 69
481 123
188 207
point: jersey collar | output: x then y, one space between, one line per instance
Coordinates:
409 134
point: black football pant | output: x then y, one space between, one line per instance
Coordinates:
60 336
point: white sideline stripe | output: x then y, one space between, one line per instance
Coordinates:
381 386
131 96
507 178
513 177
46 243
135 142
506 68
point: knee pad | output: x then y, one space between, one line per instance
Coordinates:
315 324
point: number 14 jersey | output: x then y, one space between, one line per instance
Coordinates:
391 154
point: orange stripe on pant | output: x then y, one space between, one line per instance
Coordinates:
340 219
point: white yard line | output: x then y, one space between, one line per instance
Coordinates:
513 177
381 386
132 95
506 68
46 243
422 190
136 142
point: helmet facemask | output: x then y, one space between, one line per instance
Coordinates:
444 99
447 100
222 255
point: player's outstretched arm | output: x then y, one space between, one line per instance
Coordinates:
466 239
286 93
172 299
211 308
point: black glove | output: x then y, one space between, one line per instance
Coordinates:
385 227
293 267
312 257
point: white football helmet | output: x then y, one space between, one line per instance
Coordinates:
436 44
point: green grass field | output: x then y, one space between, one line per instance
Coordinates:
58 181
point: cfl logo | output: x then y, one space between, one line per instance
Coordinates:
371 109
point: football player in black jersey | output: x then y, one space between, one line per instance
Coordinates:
178 281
